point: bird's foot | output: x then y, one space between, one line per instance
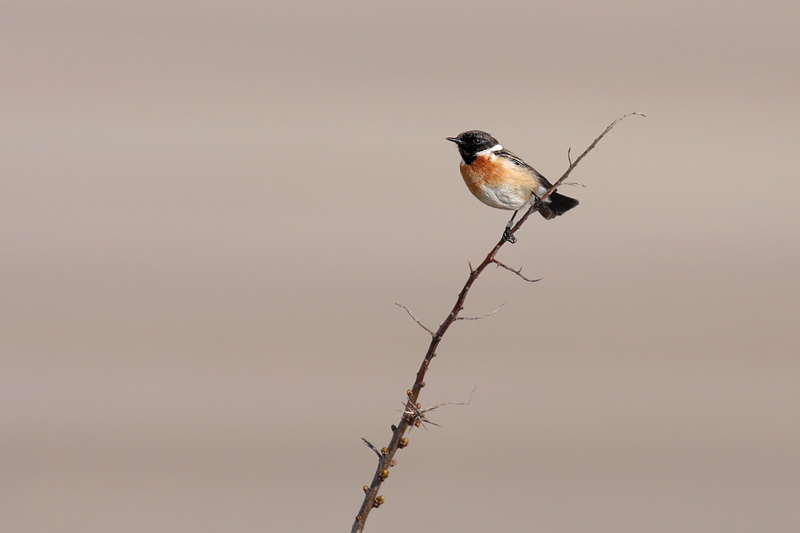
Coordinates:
508 237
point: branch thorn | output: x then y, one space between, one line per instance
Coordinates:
517 272
372 447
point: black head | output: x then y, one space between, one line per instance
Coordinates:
471 142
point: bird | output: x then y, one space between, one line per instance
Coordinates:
501 179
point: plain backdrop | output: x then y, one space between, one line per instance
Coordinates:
209 209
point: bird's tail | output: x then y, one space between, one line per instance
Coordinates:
557 204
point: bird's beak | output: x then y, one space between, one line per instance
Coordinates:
453 139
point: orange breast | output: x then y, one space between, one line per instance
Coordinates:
498 183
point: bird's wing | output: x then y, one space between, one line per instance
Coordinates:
510 156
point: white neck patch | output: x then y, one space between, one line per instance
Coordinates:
495 148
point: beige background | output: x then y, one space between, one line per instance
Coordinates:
209 209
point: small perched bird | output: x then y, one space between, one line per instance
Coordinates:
500 179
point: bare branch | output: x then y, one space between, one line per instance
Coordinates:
573 164
431 333
373 448
535 206
454 403
481 316
413 414
517 272
417 417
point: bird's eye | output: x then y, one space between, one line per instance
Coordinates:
476 141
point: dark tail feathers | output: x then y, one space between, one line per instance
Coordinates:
557 204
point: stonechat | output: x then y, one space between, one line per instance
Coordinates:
498 178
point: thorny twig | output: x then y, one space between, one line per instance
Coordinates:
429 409
480 316
371 446
386 460
518 272
415 319
569 170
417 415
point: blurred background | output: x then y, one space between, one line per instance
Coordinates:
209 209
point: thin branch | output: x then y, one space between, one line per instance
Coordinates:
534 207
481 316
398 441
431 333
574 164
417 416
454 403
518 272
